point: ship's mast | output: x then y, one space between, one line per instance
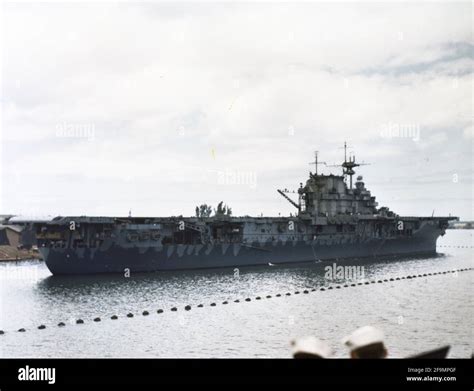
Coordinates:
316 162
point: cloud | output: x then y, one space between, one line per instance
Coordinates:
157 96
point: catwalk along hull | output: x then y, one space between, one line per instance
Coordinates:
116 259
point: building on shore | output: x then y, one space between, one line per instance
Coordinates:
10 244
10 235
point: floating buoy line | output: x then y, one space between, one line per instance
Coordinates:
248 299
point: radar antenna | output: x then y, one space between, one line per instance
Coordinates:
348 165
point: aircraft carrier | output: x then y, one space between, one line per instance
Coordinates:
333 219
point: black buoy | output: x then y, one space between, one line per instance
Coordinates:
200 305
367 283
385 280
145 313
41 327
2 332
187 308
288 294
237 301
409 277
258 298
174 309
373 282
278 295
269 296
160 311
79 321
338 287
305 292
247 299
360 283
330 287
114 317
346 286
96 319
129 315
61 324
353 284
379 281
21 330
297 293
225 302
322 289
213 304
392 279
398 278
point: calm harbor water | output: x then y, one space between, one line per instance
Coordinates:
416 315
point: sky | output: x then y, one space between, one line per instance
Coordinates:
155 107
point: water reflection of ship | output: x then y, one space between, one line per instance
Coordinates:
309 274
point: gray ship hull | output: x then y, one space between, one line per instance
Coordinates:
117 259
335 219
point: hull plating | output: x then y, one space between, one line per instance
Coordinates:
118 259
